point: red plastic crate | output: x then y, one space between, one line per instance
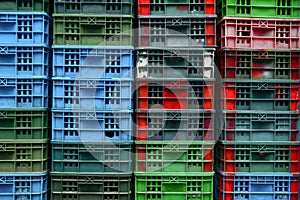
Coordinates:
175 125
258 157
256 186
184 7
177 31
174 94
259 33
255 64
261 126
260 95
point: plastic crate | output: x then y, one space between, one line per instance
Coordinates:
174 94
256 186
175 125
261 95
175 8
23 124
24 6
259 8
24 61
174 157
177 31
176 186
258 157
245 64
124 7
92 62
112 94
24 28
261 126
26 156
23 93
100 30
94 157
258 33
91 125
24 186
91 186
175 63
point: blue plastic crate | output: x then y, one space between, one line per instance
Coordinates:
256 186
92 94
24 61
23 93
19 28
92 126
92 62
24 186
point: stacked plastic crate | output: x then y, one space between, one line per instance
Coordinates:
24 65
92 100
258 155
174 100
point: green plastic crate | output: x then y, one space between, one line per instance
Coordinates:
70 186
192 186
24 5
258 157
259 8
170 157
103 30
27 156
20 124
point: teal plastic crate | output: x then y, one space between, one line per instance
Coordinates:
80 157
257 157
259 8
196 186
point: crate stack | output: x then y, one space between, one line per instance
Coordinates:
24 65
174 100
259 51
92 103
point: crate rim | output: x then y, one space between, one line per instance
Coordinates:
88 111
46 173
269 143
203 174
62 142
26 141
259 112
93 47
179 48
26 13
90 15
112 174
230 80
257 18
273 174
209 142
211 16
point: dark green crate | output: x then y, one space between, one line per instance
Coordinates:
99 7
27 156
103 30
91 157
24 5
259 8
256 157
174 157
20 124
70 186
191 186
